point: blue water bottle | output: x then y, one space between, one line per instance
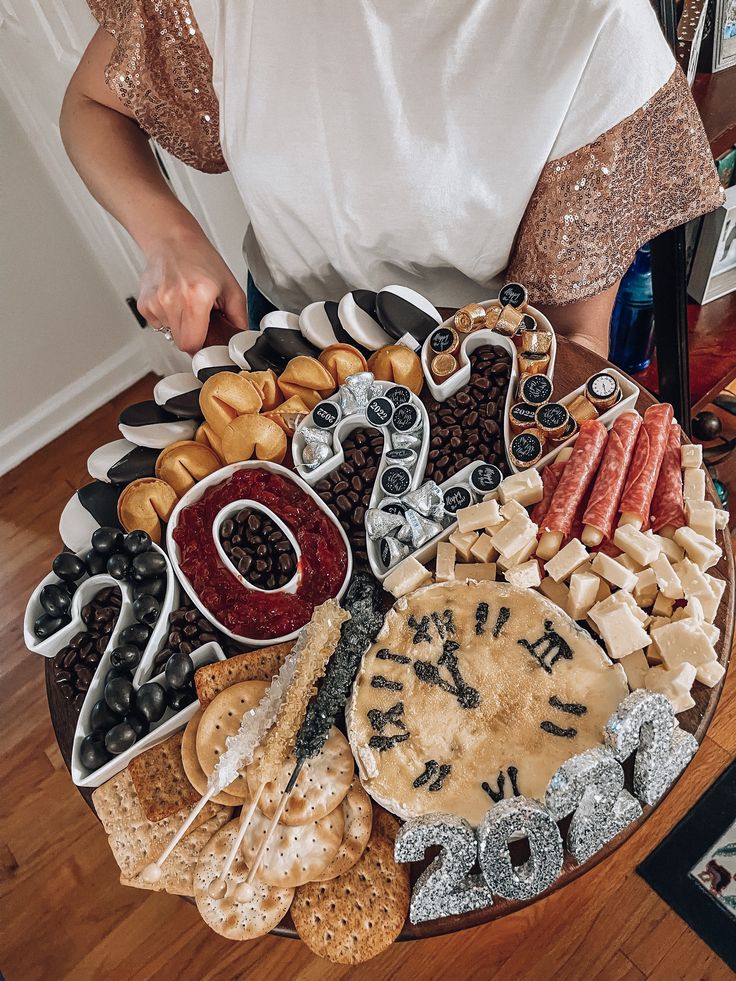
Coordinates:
632 322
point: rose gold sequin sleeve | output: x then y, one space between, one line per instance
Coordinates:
592 209
161 70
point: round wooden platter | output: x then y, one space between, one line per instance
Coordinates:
574 365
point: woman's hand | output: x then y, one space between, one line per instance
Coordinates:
184 278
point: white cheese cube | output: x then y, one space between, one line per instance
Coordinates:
477 516
620 630
684 641
567 560
695 584
635 667
722 519
482 549
475 570
463 543
675 684
645 590
518 558
526 575
515 535
693 485
408 575
555 591
691 455
583 594
444 566
717 586
642 548
613 572
700 550
525 487
662 606
511 508
701 517
670 548
622 596
667 579
627 562
604 590
710 674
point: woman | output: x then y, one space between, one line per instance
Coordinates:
442 146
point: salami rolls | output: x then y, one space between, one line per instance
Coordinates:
668 506
550 479
576 477
609 483
646 463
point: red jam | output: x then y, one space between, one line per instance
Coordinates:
246 611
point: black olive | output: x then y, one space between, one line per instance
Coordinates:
140 726
136 542
118 565
147 609
150 701
125 656
179 670
92 752
136 634
102 717
119 695
118 673
150 587
96 563
46 625
706 426
68 587
119 738
68 566
107 540
179 698
55 600
148 564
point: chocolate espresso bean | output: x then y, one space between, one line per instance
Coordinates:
264 555
75 664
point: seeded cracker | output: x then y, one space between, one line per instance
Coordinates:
160 780
260 665
360 913
178 869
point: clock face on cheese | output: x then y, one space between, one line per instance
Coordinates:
475 692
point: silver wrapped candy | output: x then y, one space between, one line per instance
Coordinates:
519 816
644 723
404 532
380 523
427 500
356 392
312 435
445 887
405 441
421 529
592 785
315 454
392 551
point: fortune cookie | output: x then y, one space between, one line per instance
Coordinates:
225 396
306 375
144 504
289 414
342 360
253 435
208 437
266 383
397 363
185 463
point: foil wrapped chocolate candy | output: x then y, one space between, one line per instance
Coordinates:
379 523
392 551
179 395
427 500
644 723
357 392
523 817
121 462
590 786
405 441
314 434
148 424
446 887
315 454
421 529
357 313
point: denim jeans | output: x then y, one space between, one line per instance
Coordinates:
258 305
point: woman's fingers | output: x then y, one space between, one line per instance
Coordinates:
195 318
234 305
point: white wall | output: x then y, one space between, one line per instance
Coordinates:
69 343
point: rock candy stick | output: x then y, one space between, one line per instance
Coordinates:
668 505
645 466
609 483
573 484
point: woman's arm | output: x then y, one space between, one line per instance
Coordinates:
586 321
184 276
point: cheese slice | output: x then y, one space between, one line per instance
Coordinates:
620 630
518 558
693 484
722 519
662 606
482 548
525 487
718 586
627 562
635 666
567 560
699 549
526 575
641 547
613 572
691 455
667 579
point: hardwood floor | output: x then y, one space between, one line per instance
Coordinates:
63 914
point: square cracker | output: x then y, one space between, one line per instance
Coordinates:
160 781
178 869
134 840
260 665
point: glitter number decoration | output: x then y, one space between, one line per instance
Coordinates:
445 888
519 816
644 723
591 785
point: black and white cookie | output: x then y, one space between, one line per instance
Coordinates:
401 310
212 360
121 462
91 507
179 395
284 335
357 312
147 424
239 346
261 356
320 324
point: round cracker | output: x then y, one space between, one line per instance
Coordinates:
320 787
360 913
358 813
295 854
221 719
227 916
190 761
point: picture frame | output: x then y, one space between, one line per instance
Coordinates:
724 35
713 272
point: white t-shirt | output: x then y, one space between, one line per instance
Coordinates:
400 141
